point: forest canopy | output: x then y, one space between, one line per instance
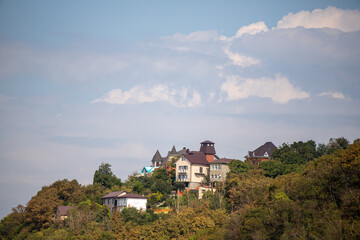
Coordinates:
306 191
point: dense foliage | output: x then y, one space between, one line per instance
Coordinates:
307 191
105 176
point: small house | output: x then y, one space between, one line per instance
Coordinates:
62 212
261 154
121 199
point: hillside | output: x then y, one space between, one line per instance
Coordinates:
305 192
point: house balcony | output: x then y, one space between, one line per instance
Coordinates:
183 180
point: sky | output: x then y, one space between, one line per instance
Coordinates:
86 82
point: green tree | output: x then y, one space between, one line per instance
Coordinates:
238 167
40 210
272 168
296 153
161 181
336 144
105 176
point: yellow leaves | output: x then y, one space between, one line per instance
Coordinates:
281 195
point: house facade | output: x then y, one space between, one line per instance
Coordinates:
131 200
261 154
193 166
218 170
121 199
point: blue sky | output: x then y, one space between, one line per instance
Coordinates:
85 82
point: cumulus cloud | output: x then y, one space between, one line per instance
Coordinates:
331 17
279 89
199 36
252 29
337 95
158 93
240 60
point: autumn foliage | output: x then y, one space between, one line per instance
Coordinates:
307 192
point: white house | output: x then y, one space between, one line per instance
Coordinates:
120 200
131 200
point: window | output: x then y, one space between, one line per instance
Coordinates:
182 158
201 170
183 168
219 167
182 177
212 175
220 176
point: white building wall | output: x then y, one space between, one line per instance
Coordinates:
138 203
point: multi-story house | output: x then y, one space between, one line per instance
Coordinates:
193 166
121 199
261 154
159 161
218 170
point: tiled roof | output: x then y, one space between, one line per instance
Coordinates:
207 147
113 194
173 150
221 160
122 194
157 157
132 195
260 151
182 151
62 210
196 158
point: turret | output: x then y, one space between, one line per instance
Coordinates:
207 147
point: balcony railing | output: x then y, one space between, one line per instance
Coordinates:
183 179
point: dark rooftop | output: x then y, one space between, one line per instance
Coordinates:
196 158
62 210
131 195
260 151
221 160
113 194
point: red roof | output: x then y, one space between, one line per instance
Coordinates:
196 158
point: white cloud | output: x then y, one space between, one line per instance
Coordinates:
199 36
252 29
195 100
337 95
241 60
211 96
160 92
331 17
280 90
